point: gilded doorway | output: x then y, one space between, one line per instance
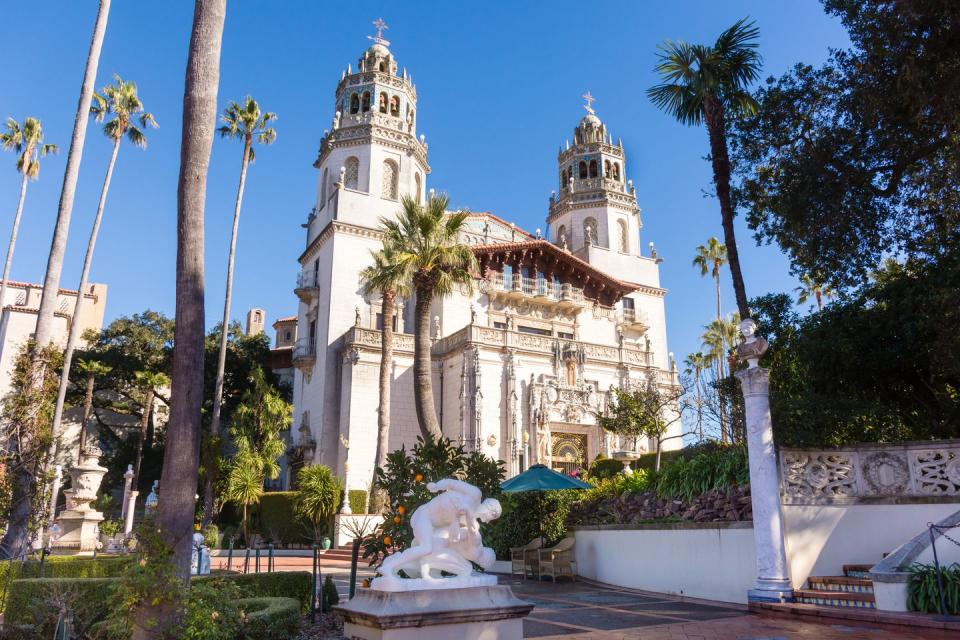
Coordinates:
569 452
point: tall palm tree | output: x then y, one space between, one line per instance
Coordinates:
385 277
425 239
182 450
148 383
245 486
711 258
27 141
812 287
696 363
247 122
24 487
92 369
120 103
720 339
704 84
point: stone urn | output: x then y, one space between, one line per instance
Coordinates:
80 523
626 457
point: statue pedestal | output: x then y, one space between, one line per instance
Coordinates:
471 613
79 522
80 530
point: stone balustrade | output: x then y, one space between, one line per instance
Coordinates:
926 471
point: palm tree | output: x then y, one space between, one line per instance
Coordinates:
92 369
696 363
247 122
385 277
318 496
811 287
245 486
148 382
182 450
120 101
708 84
427 248
27 141
711 258
720 339
24 481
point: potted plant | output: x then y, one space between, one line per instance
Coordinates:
111 535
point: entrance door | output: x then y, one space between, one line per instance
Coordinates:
569 452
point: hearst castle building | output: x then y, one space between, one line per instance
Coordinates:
521 366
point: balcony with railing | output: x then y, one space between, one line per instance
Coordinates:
308 286
517 286
634 320
305 353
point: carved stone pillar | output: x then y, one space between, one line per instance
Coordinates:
773 575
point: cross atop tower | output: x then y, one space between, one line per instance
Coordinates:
590 100
380 26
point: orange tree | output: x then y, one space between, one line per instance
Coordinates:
404 481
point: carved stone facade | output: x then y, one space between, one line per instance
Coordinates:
524 361
923 470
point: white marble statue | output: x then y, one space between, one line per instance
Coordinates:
446 538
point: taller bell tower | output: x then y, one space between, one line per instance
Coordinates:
595 205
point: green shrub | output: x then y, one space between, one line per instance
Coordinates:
213 611
520 522
358 500
704 472
330 595
35 601
278 520
603 468
210 534
923 594
61 567
280 584
110 528
270 618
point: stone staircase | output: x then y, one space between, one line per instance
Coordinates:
851 590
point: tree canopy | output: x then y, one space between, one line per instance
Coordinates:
845 164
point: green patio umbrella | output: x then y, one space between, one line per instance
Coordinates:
539 478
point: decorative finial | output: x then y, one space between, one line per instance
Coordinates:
380 26
590 100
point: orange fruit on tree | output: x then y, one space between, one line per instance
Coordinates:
387 540
401 510
396 519
418 477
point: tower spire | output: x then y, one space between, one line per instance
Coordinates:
590 100
380 26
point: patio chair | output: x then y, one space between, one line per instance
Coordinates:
522 558
557 560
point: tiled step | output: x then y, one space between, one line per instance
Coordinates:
844 584
857 570
835 598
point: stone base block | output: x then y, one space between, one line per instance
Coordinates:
80 530
472 613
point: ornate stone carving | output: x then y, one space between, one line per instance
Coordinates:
819 476
937 472
885 474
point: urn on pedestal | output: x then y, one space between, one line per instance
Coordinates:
79 521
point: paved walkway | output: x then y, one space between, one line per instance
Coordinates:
585 611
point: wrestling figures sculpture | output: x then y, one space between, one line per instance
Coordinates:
446 538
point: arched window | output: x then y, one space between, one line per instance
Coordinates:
395 106
590 232
391 178
354 103
624 236
593 168
365 102
562 235
382 100
383 66
323 187
351 178
417 182
616 171
606 168
583 170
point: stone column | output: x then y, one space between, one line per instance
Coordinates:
127 481
129 509
773 575
57 479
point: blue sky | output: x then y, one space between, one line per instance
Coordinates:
499 87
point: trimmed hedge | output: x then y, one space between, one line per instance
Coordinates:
271 618
279 584
278 522
61 567
357 499
604 468
30 600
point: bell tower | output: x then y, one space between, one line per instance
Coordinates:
371 156
595 206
